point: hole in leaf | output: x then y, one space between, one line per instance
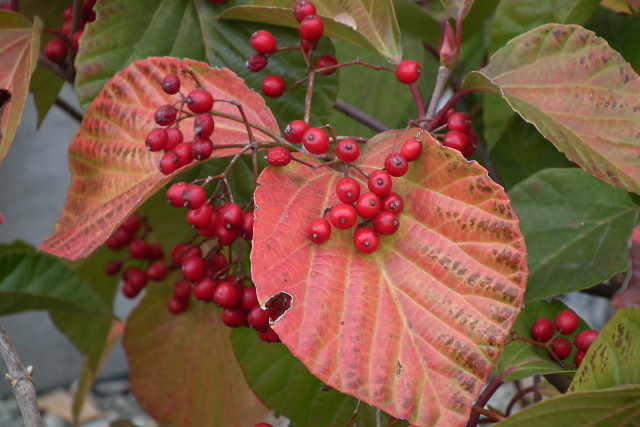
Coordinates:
278 305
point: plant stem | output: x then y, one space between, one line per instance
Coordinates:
309 97
66 73
21 383
352 419
77 18
266 131
419 100
69 109
438 90
487 413
360 116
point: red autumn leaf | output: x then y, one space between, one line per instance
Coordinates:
113 173
416 327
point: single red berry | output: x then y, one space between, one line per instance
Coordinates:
258 319
132 224
174 194
193 196
182 290
396 164
385 223
567 322
202 148
248 298
392 203
579 357
408 71
268 336
585 339
66 28
456 140
231 216
311 28
302 9
166 115
542 330
257 62
273 86
170 84
234 317
157 139
295 131
263 42
227 295
168 163
177 306
88 14
200 218
366 240
199 101
319 230
135 277
56 51
380 183
138 249
305 45
119 239
343 216
348 150
368 205
411 149
203 125
450 112
157 271
183 153
278 156
348 190
175 137
561 347
460 122
226 236
194 268
204 289
75 39
218 261
130 291
67 14
176 253
327 61
113 268
247 225
316 141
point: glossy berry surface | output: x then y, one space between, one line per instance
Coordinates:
193 196
366 240
348 150
316 141
204 289
295 131
199 101
408 71
166 115
411 149
202 148
457 140
248 298
203 125
319 230
182 290
226 295
343 216
385 223
327 61
200 218
396 164
392 203
257 62
566 322
585 339
460 122
231 216
170 84
368 205
56 51
579 357
157 139
234 317
380 183
174 137
273 86
174 193
258 319
311 28
157 271
347 190
263 42
278 156
302 9
561 347
194 268
542 330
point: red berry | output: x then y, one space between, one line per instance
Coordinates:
248 298
234 317
542 330
199 101
278 156
302 9
170 84
193 196
227 295
75 39
157 139
411 149
177 306
67 14
348 150
316 141
194 268
408 71
457 140
579 357
460 122
396 164
132 224
257 62
166 115
183 153
174 194
385 223
200 218
157 271
561 347
450 112
182 251
585 339
305 45
169 163
182 290
135 277
392 203
247 226
204 289
263 42
380 183
175 137
130 291
273 86
366 240
343 216
311 28
218 261
319 230
203 125
368 205
66 28
138 249
327 61
56 51
113 268
226 236
566 322
295 131
268 336
258 318
119 239
348 190
202 148
231 216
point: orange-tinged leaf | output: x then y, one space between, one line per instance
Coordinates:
183 370
578 92
416 327
113 173
19 45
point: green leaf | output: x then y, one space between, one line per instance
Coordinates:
616 406
46 86
576 228
536 359
621 31
286 386
612 359
415 20
521 151
458 9
369 24
578 92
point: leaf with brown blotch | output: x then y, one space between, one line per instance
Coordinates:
629 294
578 92
112 171
416 327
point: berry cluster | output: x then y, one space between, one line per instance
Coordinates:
145 259
461 135
565 323
57 49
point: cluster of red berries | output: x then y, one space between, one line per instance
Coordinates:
207 278
57 49
378 208
146 257
565 323
170 139
461 135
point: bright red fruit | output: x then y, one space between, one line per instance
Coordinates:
343 216
566 322
411 149
579 357
366 240
175 137
138 249
231 216
166 115
392 203
201 148
248 298
56 51
199 101
268 336
396 164
204 289
75 39
457 140
408 71
193 196
263 42
295 131
348 150
234 317
157 271
316 141
247 225
326 61
460 122
542 330
258 318
174 194
385 223
257 62
380 183
203 125
561 347
273 86
278 156
302 9
368 205
348 190
585 339
227 295
311 28
319 230
170 84
200 218
194 268
182 290
157 139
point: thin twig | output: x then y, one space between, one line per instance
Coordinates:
360 116
69 109
438 90
352 419
418 99
309 96
487 413
65 72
